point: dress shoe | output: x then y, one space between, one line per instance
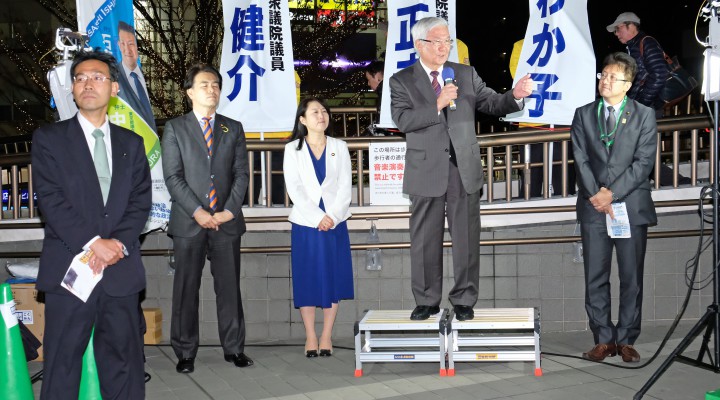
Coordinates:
424 312
240 360
600 351
464 313
325 352
628 353
185 365
311 353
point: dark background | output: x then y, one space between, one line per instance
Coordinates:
491 30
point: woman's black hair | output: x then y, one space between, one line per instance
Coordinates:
300 130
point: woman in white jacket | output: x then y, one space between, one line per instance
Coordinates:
318 178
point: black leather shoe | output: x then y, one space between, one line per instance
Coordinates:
185 365
464 313
423 312
240 360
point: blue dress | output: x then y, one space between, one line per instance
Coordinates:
321 261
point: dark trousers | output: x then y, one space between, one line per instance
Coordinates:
597 253
223 251
427 227
118 345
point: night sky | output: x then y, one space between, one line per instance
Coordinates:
489 33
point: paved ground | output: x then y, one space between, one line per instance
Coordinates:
282 372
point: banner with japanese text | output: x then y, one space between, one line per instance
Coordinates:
558 54
399 51
105 21
257 65
387 169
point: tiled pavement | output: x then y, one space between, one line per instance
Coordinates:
282 372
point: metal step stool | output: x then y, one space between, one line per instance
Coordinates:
390 336
495 334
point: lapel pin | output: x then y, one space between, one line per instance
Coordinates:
124 155
224 128
624 120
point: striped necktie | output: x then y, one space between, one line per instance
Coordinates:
207 132
435 83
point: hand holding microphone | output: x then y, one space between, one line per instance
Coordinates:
448 75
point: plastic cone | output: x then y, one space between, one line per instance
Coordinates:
14 376
89 381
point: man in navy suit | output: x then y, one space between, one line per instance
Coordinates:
614 141
94 192
133 88
206 170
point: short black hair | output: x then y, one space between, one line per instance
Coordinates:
196 69
374 67
124 26
96 54
624 61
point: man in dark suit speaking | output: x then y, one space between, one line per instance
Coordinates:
93 185
614 141
442 164
206 170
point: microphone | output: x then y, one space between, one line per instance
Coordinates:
448 75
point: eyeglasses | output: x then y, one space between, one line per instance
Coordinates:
610 78
438 43
95 78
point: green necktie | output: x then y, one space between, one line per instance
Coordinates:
102 166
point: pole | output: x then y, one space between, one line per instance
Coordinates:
710 321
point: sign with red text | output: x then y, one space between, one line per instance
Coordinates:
387 169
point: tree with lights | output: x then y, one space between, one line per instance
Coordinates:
174 34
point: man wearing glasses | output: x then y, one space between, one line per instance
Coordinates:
614 141
442 164
94 192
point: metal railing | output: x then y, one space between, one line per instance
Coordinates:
682 139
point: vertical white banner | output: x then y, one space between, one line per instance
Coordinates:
102 21
558 53
257 65
399 50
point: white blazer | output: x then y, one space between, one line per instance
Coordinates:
304 189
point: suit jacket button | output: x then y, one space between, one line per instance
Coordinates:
212 176
206 196
105 215
446 150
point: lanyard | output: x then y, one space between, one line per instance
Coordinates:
607 137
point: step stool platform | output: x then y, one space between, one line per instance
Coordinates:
391 336
495 334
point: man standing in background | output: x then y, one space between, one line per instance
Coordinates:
205 163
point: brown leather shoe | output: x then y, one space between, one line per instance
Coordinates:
628 353
600 351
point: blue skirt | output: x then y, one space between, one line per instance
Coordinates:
321 266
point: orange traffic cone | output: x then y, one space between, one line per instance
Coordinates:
89 381
15 382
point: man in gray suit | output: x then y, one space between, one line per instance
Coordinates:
205 164
614 141
442 164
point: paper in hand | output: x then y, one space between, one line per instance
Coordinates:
80 279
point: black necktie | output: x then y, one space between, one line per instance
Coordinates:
609 126
141 93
